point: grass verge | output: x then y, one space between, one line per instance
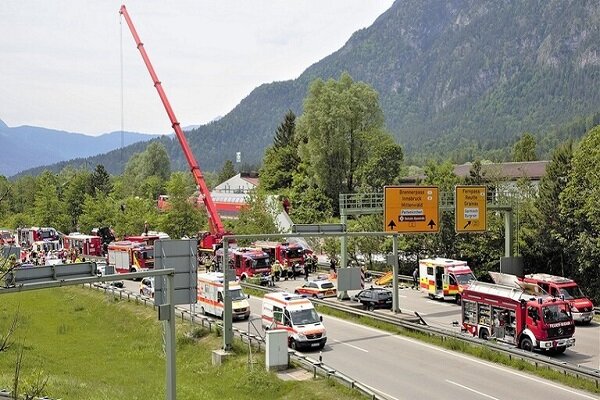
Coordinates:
92 346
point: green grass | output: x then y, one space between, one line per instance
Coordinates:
92 346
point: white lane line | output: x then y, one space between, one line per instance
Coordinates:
473 390
473 360
439 303
350 345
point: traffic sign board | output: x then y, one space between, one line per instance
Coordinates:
411 209
470 209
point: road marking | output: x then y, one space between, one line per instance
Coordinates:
350 345
472 390
473 360
439 303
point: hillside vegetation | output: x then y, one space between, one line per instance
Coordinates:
460 79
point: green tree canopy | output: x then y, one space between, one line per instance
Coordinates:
524 149
226 172
341 121
281 160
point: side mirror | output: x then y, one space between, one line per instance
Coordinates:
247 296
321 318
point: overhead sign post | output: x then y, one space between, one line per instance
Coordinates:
470 209
411 209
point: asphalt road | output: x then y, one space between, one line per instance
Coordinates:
403 368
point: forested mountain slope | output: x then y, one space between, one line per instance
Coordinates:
458 78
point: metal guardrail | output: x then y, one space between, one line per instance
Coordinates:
535 359
315 366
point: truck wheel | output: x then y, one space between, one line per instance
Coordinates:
560 350
526 344
484 334
202 311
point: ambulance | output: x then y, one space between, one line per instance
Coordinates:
210 296
443 278
297 315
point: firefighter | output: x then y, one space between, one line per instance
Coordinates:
285 270
276 270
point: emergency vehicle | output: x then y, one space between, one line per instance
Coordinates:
210 296
7 237
297 315
86 245
45 246
582 308
443 278
290 253
519 316
126 256
28 236
247 262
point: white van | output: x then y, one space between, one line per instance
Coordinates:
210 296
297 315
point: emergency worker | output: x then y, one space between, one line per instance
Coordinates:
276 270
285 270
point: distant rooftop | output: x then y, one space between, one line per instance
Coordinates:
533 170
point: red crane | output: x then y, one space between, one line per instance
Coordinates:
216 227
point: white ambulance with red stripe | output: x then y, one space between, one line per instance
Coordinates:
443 278
297 315
210 296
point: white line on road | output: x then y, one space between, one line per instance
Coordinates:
439 303
472 390
506 370
354 347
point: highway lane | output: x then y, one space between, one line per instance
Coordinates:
403 368
586 351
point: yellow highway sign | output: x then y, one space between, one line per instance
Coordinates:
470 209
411 209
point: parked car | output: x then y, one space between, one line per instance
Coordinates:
101 270
317 289
373 298
147 287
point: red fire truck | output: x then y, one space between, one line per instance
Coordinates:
290 253
86 245
126 256
567 289
7 237
27 236
521 316
247 262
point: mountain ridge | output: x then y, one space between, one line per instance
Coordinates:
460 79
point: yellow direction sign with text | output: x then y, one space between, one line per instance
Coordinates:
470 209
411 209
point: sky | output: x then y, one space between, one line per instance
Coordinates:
61 63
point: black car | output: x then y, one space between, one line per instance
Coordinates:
373 298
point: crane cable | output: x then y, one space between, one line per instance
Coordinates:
122 101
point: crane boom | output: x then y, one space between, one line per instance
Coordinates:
214 220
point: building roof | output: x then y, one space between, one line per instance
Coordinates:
533 170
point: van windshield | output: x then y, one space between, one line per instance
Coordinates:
304 317
571 292
259 263
237 295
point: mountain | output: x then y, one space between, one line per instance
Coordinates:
456 78
29 146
